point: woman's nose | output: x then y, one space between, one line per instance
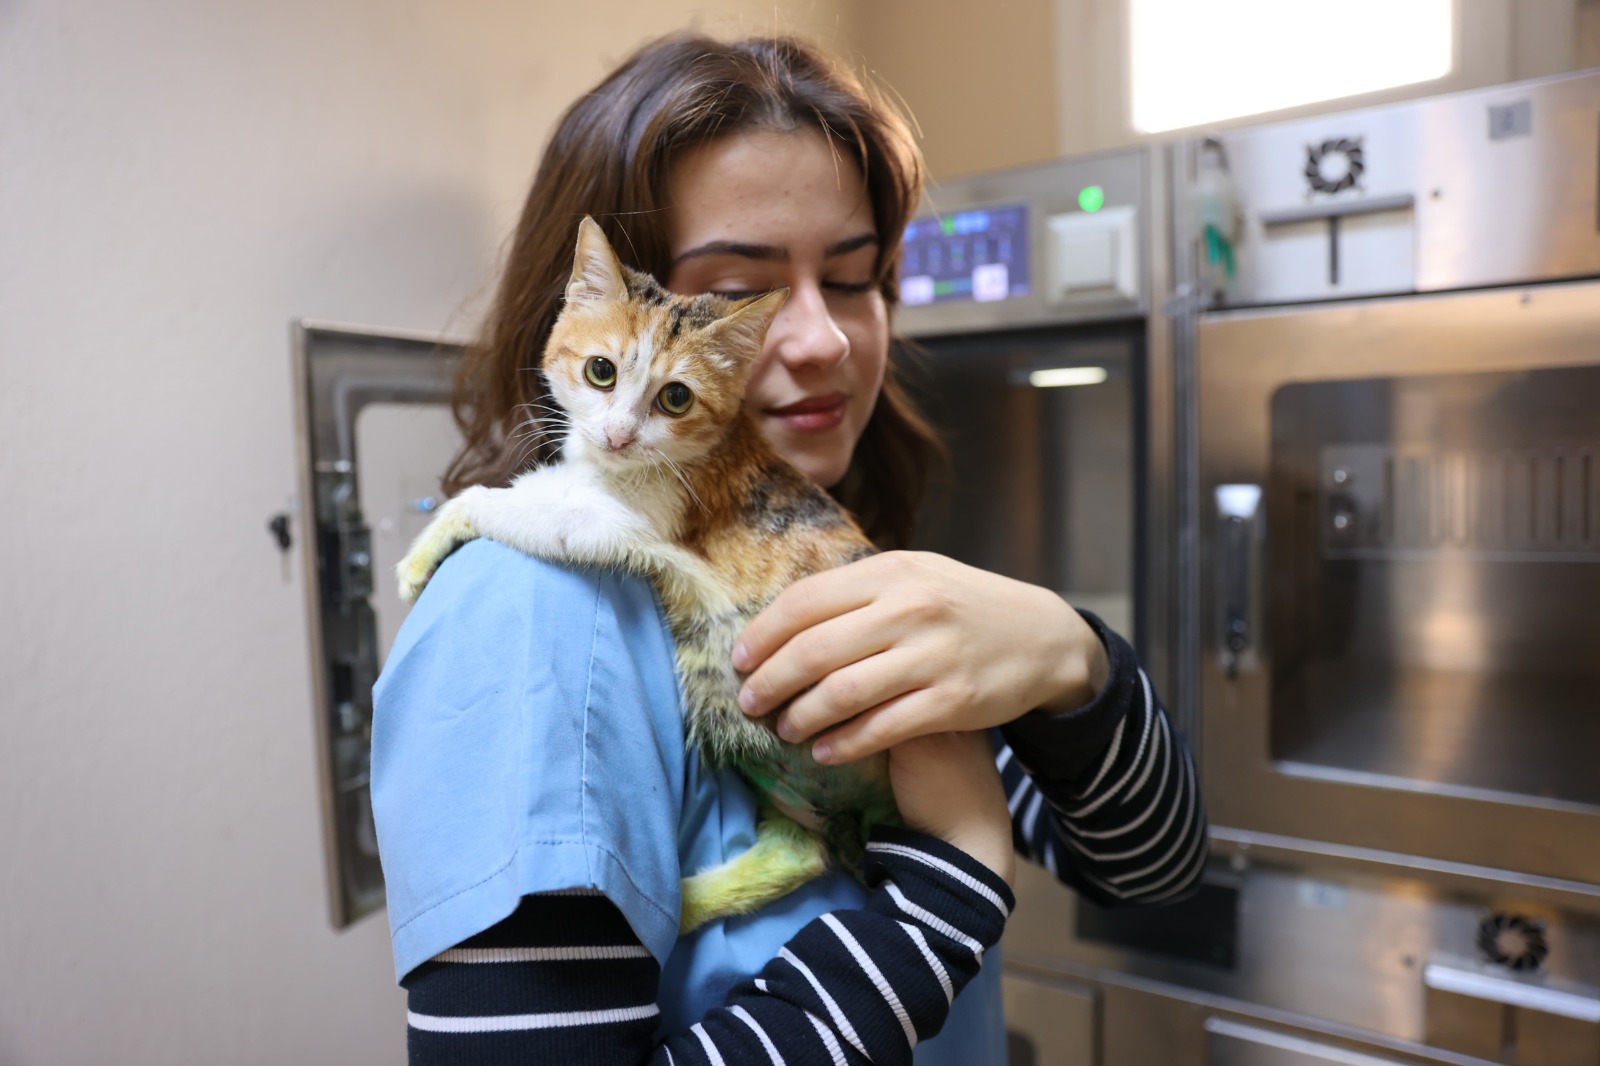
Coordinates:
805 334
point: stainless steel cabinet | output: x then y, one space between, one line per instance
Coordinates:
1400 565
1050 1022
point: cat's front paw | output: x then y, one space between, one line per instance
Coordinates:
450 528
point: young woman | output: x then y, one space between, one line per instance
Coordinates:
535 805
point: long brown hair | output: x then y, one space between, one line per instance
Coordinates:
610 157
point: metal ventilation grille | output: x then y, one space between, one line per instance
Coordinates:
1335 165
1379 499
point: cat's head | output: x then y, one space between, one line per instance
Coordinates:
646 376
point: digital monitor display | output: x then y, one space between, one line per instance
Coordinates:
979 254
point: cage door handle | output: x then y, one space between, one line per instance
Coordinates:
1238 575
1336 209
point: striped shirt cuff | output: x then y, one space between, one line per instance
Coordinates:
1065 748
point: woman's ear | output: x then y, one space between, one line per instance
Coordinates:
596 273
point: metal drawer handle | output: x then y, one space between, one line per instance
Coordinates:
1233 1042
1511 992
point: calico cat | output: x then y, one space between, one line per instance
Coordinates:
664 473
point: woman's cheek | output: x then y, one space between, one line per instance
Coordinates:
758 384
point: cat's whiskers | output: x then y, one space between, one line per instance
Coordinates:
543 423
545 410
681 476
537 428
525 449
547 422
546 404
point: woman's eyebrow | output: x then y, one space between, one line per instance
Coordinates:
850 244
746 251
772 252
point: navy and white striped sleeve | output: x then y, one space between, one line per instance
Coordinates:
1106 797
565 980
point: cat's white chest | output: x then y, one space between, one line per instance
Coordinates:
566 512
570 513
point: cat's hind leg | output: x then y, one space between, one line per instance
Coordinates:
783 858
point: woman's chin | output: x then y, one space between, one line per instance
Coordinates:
823 467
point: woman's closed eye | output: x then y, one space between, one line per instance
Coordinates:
843 288
739 294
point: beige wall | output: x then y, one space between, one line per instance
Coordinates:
1588 40
979 77
178 179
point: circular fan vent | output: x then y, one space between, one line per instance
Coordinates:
1334 166
1513 941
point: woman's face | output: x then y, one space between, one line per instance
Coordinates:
758 211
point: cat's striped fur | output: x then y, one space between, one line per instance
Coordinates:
701 504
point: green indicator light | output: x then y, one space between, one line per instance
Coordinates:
947 226
1092 198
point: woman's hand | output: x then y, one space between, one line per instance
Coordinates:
946 785
905 644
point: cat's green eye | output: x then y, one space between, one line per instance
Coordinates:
601 372
675 398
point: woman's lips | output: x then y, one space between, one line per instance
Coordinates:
813 414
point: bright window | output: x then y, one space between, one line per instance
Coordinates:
1201 61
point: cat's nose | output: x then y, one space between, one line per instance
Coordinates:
619 438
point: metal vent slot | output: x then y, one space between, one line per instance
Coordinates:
1379 500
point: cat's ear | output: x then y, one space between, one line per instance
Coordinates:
596 274
744 328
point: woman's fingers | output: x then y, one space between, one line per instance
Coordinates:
811 660
850 690
804 604
894 721
815 626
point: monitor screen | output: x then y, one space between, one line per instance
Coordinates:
979 254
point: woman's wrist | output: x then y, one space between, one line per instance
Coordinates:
997 854
924 862
1066 746
946 786
1079 668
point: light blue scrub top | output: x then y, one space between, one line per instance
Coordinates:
528 736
